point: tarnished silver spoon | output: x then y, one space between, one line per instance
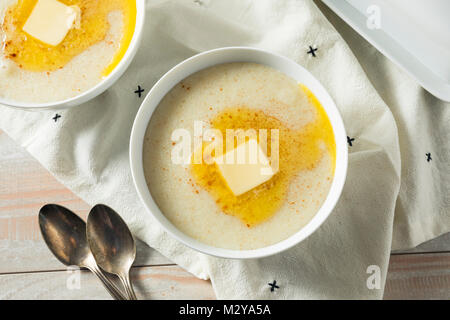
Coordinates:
65 235
112 244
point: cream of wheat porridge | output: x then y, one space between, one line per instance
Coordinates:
32 71
195 198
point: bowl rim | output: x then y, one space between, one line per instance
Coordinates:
101 86
204 60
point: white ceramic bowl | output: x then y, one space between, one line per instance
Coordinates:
102 85
226 55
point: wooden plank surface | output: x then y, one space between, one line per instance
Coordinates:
28 270
411 276
163 282
418 276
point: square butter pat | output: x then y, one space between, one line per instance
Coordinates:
245 167
50 21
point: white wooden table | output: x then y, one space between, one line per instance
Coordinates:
29 271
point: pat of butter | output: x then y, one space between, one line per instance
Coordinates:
51 20
245 167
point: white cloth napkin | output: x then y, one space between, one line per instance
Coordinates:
387 197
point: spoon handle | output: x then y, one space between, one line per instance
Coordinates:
128 286
111 287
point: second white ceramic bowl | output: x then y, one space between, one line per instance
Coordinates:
209 59
102 85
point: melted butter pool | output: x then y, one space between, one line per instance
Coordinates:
299 150
33 55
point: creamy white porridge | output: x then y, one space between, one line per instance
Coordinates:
32 71
241 95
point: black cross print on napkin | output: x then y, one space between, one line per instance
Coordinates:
428 157
273 286
350 141
139 91
312 51
56 117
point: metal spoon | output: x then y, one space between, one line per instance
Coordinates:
65 235
112 244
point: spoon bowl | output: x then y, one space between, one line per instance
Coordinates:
65 235
112 244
